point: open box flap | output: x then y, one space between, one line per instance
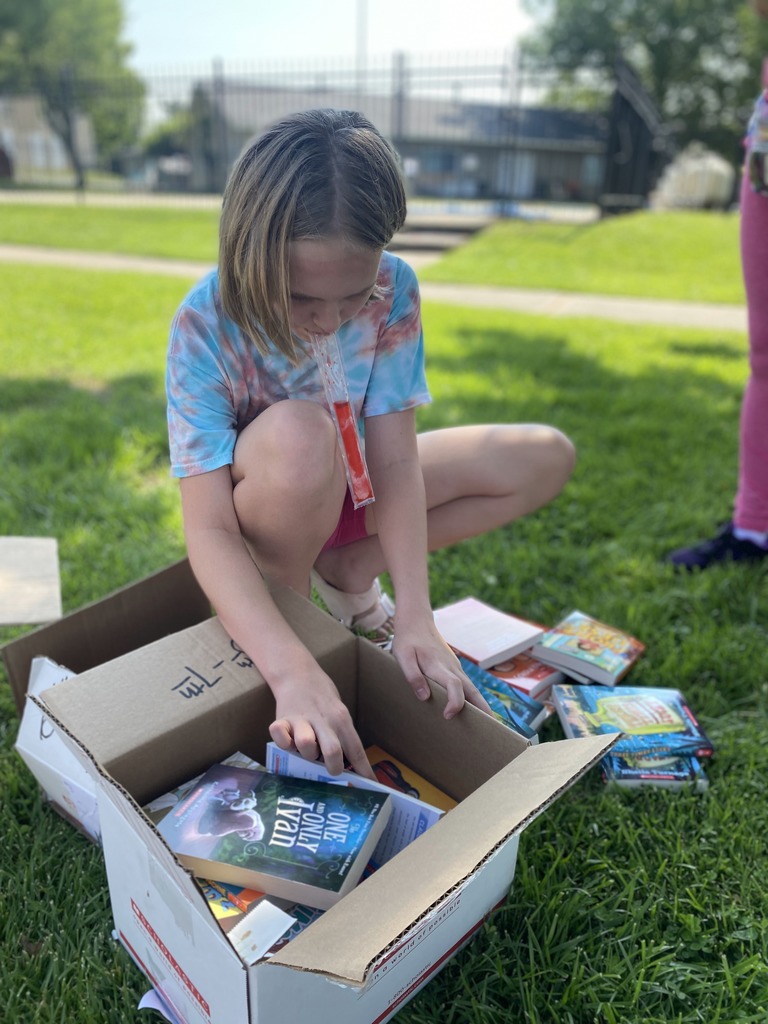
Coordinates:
350 937
165 602
156 716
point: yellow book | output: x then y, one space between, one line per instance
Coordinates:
399 776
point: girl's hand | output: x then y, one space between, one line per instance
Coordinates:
424 654
313 721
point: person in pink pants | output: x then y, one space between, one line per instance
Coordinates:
745 537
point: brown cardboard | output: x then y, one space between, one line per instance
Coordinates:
134 615
30 586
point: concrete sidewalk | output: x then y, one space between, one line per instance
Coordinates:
711 316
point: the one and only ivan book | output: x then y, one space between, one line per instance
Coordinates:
304 841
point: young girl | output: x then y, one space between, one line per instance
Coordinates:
307 213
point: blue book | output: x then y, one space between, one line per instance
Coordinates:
515 709
678 771
652 721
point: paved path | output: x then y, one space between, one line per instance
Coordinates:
713 316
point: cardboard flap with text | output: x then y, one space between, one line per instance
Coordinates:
422 874
137 614
157 716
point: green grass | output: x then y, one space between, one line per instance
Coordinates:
137 231
679 255
628 908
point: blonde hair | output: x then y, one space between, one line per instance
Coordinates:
319 174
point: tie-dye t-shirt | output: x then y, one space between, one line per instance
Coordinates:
218 382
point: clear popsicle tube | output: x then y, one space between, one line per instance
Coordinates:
325 348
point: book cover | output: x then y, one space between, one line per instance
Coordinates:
520 712
655 721
482 633
634 770
229 901
410 816
528 675
401 777
301 840
157 809
588 650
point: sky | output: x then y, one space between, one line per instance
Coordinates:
178 33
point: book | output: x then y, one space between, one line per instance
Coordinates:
528 675
157 809
401 777
410 816
516 709
229 902
634 770
302 840
588 650
654 721
482 633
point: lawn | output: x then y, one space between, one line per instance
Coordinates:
628 908
685 255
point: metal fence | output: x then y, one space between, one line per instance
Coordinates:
470 126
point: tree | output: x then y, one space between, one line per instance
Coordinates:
698 59
72 55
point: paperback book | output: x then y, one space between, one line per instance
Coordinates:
482 633
410 816
654 721
301 840
588 650
401 777
633 771
528 675
515 709
229 902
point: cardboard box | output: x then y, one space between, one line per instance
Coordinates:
177 696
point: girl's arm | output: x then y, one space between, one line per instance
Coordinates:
310 715
401 522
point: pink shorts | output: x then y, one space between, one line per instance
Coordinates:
350 527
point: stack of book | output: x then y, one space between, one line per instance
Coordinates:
660 740
574 668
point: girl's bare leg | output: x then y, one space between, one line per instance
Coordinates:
289 486
477 478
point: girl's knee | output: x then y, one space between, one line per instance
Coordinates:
292 442
562 452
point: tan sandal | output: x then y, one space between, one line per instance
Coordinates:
371 612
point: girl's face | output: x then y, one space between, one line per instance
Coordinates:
330 281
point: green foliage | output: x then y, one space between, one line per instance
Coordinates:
647 906
700 61
73 55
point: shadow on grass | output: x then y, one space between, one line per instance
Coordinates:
89 466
